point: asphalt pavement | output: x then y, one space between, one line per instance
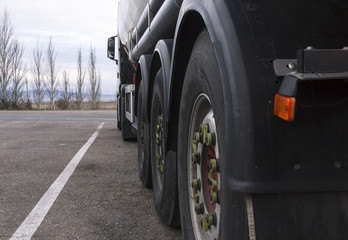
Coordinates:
102 197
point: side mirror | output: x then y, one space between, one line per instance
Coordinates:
113 48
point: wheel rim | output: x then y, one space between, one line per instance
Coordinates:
159 144
203 170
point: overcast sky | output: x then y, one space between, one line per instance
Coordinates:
72 24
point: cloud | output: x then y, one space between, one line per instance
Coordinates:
72 25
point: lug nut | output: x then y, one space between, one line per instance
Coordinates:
158 158
197 137
199 208
208 220
161 169
196 184
213 197
213 165
157 139
212 219
210 139
196 157
203 130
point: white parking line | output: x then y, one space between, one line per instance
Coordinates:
35 217
6 124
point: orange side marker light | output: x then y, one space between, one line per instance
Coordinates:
284 107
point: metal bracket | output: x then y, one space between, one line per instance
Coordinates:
129 102
311 64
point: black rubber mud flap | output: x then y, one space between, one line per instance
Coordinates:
305 216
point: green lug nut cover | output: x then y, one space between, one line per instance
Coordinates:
158 158
197 137
196 197
211 218
199 208
204 128
213 165
211 174
208 220
160 119
213 197
210 139
195 158
205 223
194 146
196 184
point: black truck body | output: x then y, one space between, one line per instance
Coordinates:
274 75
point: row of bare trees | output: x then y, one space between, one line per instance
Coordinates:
15 85
12 67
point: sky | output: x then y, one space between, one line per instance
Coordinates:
72 24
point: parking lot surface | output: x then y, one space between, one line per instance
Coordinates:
101 199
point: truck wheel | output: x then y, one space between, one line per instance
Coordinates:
144 164
164 175
208 209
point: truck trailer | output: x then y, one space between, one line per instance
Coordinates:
240 110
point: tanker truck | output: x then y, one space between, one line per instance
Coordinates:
240 111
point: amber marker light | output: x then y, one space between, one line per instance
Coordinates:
284 107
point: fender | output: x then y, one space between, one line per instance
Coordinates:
215 17
266 153
143 73
161 58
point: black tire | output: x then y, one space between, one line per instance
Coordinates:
144 164
164 169
202 102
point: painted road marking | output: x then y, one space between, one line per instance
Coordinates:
27 229
6 124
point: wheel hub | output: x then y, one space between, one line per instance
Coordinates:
203 171
160 144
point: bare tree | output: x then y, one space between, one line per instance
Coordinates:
28 101
6 57
37 71
80 95
66 95
94 79
19 73
51 73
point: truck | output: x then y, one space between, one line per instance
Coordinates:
240 111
